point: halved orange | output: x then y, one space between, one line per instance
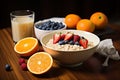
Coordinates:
39 63
26 46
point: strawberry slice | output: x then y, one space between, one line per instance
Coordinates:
83 43
68 36
76 38
62 36
56 38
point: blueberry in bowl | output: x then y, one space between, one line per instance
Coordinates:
45 26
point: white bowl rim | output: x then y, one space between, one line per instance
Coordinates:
73 31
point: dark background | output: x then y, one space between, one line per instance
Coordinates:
59 8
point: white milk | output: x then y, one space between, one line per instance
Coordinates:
22 26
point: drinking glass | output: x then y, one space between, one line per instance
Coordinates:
22 22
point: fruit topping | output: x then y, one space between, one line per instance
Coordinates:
56 38
68 36
76 38
61 42
71 42
77 43
84 43
62 36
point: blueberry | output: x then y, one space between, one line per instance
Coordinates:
47 28
55 24
43 28
55 28
77 43
48 22
61 27
66 41
50 25
7 67
61 42
40 27
82 37
51 28
37 26
60 24
71 42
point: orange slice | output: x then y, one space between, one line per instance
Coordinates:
39 63
27 46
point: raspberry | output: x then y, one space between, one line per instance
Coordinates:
24 66
21 60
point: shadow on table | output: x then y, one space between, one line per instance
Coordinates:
52 73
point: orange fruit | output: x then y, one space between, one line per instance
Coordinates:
26 46
85 25
39 63
71 20
99 19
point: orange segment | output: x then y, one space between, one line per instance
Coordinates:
39 63
27 46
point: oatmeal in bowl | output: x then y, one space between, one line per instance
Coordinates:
70 47
69 42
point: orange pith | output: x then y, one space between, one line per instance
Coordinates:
85 25
26 46
39 63
71 20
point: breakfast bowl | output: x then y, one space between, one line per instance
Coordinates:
70 57
45 26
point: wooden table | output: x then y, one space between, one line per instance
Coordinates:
90 70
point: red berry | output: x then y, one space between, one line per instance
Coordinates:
21 60
76 38
56 38
24 66
68 36
83 43
62 36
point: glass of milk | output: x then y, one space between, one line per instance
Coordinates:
22 22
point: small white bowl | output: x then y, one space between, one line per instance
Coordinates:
71 58
39 33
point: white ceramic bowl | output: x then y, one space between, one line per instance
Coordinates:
71 58
39 33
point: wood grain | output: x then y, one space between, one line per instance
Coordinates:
89 70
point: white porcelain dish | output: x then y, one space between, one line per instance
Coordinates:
39 33
71 58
